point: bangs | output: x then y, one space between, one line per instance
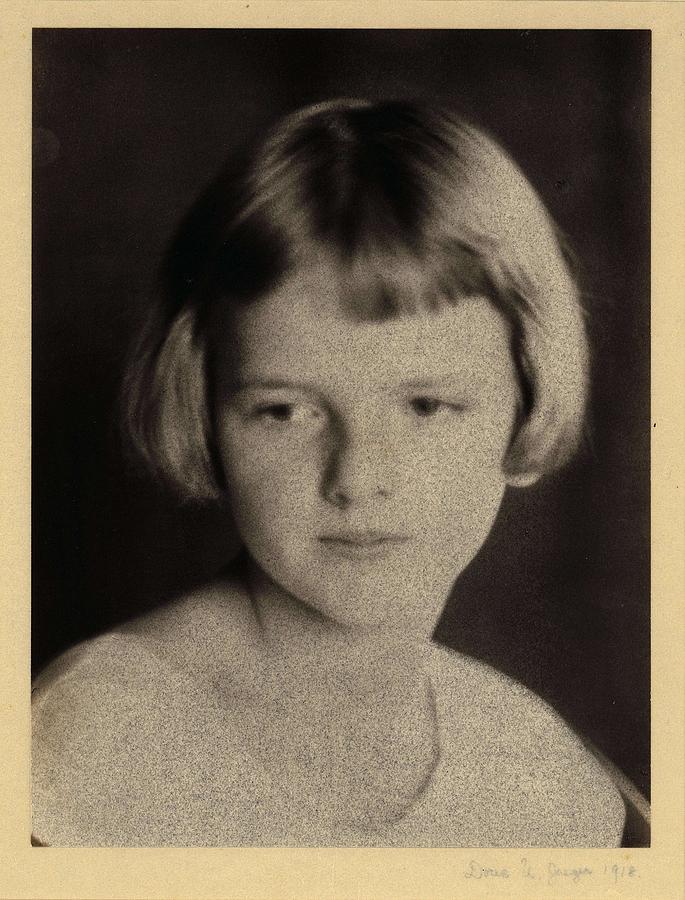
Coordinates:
365 188
379 284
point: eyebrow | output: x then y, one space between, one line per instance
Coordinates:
271 384
290 384
434 381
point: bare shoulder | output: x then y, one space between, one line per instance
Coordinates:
126 733
544 786
178 642
209 629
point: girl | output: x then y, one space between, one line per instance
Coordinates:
366 331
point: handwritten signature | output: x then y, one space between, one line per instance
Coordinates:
552 873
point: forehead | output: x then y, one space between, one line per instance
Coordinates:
303 329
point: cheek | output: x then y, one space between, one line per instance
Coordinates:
267 492
250 457
469 458
464 483
462 516
466 497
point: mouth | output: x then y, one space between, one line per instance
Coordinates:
362 544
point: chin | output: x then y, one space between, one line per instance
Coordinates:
400 608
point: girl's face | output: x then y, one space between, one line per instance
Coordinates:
364 460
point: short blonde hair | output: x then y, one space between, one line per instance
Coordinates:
421 209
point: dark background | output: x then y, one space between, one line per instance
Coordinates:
131 124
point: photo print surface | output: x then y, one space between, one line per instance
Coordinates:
341 438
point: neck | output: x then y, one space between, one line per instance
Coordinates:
318 652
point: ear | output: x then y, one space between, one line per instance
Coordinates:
523 479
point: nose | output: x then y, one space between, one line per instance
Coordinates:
361 463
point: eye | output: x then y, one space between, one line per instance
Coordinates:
279 412
283 413
426 406
430 407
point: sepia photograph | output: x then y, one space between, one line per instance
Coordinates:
341 438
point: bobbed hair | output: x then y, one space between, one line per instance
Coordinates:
419 209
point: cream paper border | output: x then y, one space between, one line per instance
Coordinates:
29 872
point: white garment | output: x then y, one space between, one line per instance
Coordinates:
130 751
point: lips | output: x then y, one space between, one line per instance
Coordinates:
363 538
362 544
